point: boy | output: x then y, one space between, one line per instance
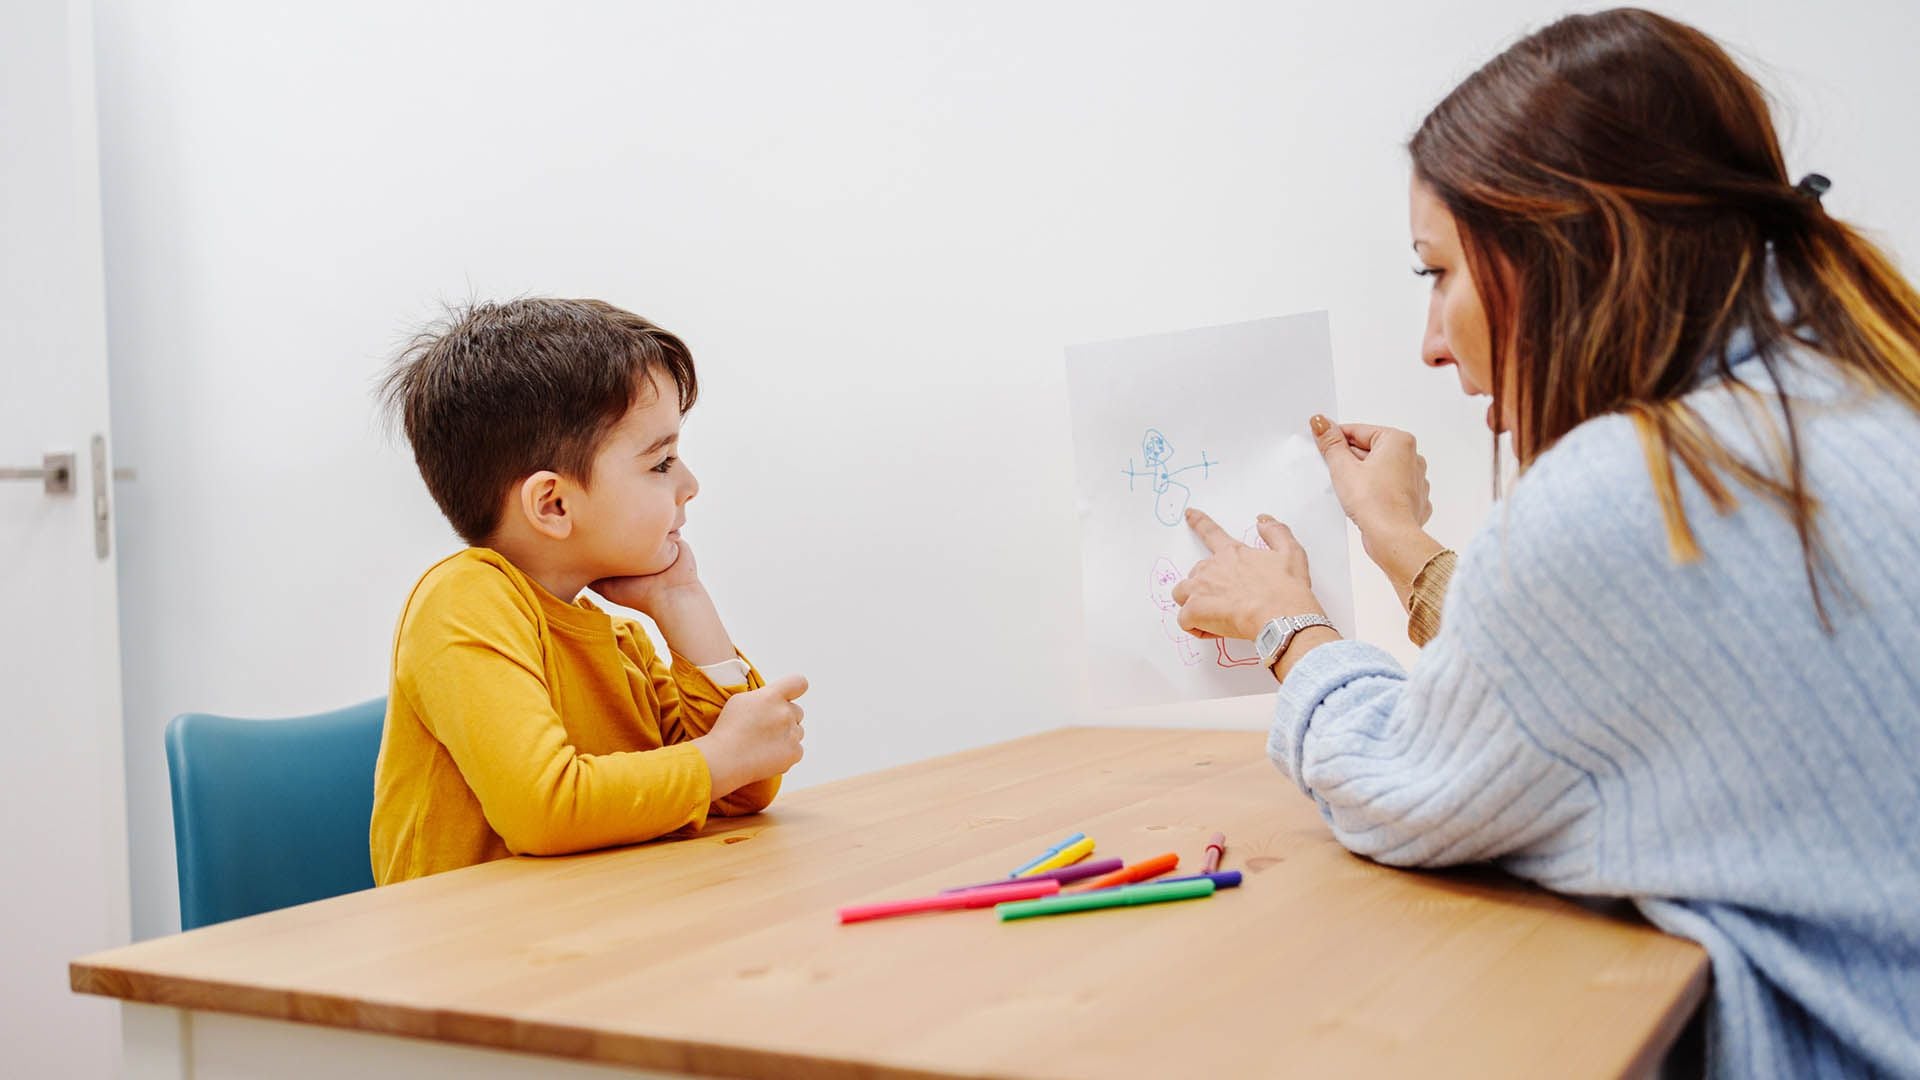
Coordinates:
522 720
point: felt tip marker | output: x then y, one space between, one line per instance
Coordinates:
1140 871
978 898
1216 847
1048 854
1064 875
1066 856
1158 892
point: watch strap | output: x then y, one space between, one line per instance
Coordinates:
1279 632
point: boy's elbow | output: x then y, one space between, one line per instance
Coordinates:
534 837
539 827
748 800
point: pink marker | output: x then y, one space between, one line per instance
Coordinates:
1216 847
973 898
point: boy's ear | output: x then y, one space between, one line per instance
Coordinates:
543 503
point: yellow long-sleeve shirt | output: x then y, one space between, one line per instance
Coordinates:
518 724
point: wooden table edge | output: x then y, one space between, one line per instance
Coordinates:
485 1031
1672 1022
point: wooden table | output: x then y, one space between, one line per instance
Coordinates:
721 956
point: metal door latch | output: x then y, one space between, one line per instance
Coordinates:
55 471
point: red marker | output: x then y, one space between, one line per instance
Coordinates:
1216 847
1140 871
975 898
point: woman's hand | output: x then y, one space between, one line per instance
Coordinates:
1381 480
1378 473
1233 592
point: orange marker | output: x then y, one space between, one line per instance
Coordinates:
1140 871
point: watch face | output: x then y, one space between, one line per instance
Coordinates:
1269 639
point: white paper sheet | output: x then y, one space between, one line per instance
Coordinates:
1214 418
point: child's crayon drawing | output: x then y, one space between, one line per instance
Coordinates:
1169 495
1144 407
1228 652
1164 578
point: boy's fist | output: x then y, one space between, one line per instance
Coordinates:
756 736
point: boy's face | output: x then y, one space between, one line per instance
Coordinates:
628 519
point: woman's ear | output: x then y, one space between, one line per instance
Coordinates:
543 503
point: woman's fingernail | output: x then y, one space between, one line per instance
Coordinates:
1319 424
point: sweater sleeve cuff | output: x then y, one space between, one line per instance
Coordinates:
1313 679
1428 596
703 684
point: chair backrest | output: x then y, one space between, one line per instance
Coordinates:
271 813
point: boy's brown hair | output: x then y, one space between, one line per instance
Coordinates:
495 392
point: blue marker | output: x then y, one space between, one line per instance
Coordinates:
1049 853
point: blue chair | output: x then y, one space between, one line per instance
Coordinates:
271 813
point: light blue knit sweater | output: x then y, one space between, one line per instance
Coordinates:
1601 720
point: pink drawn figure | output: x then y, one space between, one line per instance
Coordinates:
1164 578
1229 650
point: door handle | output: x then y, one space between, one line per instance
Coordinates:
56 478
55 473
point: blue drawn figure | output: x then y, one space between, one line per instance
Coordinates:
1169 495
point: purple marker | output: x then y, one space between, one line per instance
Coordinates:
1065 875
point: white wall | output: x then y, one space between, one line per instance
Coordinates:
876 223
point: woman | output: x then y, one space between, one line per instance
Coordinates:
1681 662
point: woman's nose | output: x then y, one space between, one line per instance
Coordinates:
1433 343
1433 347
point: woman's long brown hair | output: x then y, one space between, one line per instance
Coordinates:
1618 186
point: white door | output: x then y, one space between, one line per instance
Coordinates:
63 854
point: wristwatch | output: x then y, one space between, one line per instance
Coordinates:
1274 637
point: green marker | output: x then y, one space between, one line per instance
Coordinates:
1106 898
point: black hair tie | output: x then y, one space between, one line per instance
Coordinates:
1813 185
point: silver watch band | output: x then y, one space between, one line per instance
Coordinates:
1279 632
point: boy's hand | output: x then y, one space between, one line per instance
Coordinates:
679 605
756 736
650 594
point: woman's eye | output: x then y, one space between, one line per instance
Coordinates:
666 464
1427 272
